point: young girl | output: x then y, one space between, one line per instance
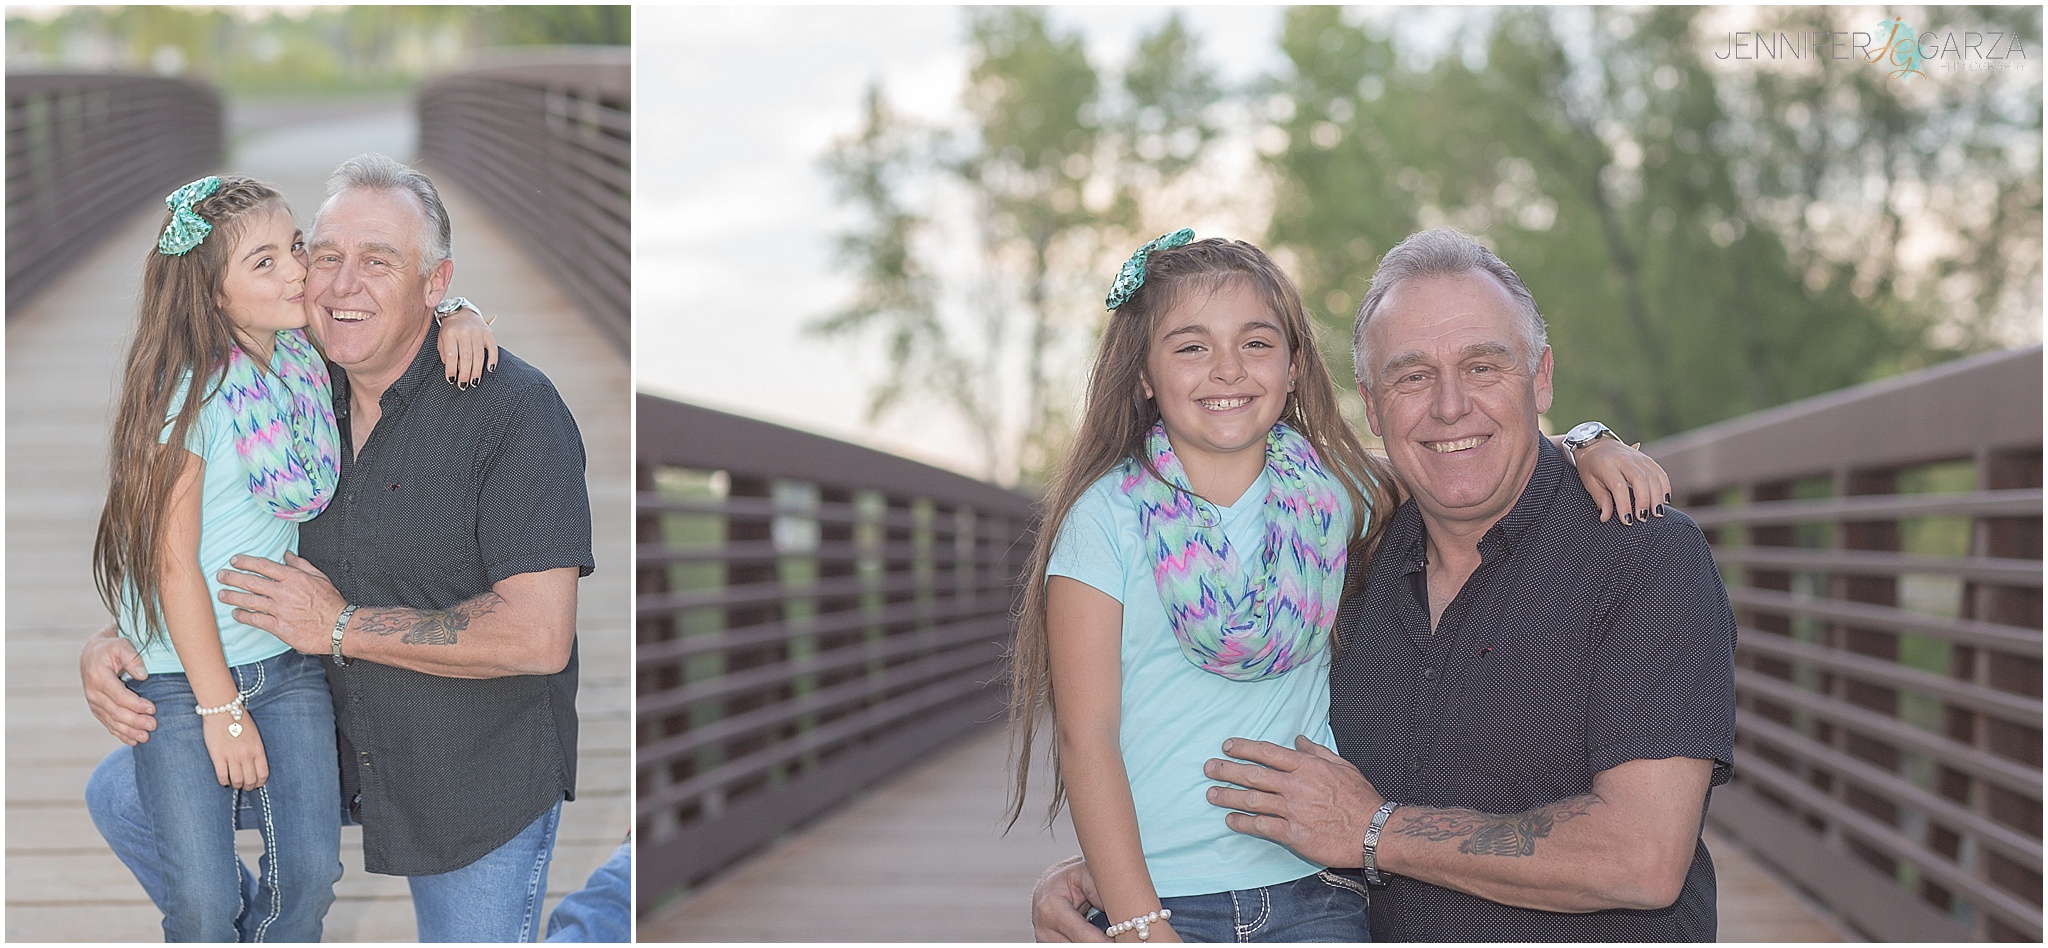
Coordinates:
224 440
1182 592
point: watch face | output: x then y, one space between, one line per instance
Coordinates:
1584 433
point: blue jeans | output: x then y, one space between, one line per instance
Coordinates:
110 795
1325 907
603 909
296 810
497 897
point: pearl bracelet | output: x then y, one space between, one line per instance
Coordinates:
1140 923
223 709
233 708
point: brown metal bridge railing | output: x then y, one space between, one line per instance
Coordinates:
547 142
812 615
1882 546
85 152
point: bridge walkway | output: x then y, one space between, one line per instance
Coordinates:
923 858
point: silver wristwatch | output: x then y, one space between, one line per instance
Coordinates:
1586 434
455 304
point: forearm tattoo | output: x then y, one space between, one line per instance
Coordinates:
1485 834
420 627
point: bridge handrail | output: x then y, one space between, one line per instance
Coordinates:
1888 700
546 141
86 152
812 616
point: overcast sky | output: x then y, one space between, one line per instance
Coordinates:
733 222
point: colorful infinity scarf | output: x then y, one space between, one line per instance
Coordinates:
1245 621
284 426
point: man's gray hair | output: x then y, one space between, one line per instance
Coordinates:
1436 252
375 172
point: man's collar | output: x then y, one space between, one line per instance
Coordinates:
1408 535
426 365
1533 505
1406 538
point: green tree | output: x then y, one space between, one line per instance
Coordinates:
1704 243
322 49
980 247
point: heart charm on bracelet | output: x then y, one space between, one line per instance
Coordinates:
234 729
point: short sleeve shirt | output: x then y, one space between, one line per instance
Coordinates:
1175 716
1575 646
231 522
454 491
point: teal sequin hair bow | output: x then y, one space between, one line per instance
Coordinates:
1132 276
187 229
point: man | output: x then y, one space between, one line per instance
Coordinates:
441 581
1532 704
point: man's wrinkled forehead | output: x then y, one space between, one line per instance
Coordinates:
367 220
1422 313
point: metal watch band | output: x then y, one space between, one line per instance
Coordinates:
1587 433
453 305
339 625
1372 843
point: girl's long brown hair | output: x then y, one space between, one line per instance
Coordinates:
1114 422
182 326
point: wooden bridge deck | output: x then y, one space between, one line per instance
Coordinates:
922 859
63 350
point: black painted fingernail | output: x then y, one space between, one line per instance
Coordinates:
451 380
1667 496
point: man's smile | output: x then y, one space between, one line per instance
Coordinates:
1452 447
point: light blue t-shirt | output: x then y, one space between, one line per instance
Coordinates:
231 522
1177 716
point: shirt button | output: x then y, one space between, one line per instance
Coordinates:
1429 674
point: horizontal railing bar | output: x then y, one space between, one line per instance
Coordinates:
1896 789
1990 503
653 655
1012 515
840 695
866 721
941 554
941 639
1978 763
2010 707
1972 632
1893 843
756 594
1983 569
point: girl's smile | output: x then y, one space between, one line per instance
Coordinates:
1220 368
